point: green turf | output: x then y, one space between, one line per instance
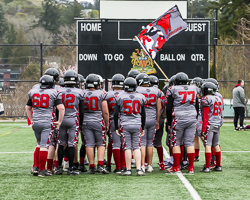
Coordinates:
17 183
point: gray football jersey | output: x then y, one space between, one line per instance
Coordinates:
37 86
93 104
214 103
43 103
71 98
184 100
151 94
111 99
130 107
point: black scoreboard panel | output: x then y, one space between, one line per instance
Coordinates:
107 47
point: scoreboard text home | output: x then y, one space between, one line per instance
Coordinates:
107 47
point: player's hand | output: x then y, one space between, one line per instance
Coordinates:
202 136
169 127
106 128
142 132
157 126
118 132
57 124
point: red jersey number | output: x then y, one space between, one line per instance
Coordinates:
150 100
111 104
92 104
40 100
217 109
70 99
185 96
131 106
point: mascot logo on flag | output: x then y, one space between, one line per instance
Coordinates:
142 62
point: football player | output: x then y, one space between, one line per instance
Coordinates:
72 98
182 109
95 123
114 139
211 116
153 113
42 100
197 81
154 82
130 105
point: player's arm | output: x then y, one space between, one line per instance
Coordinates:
116 116
143 119
158 112
81 112
197 106
28 108
61 110
105 113
169 109
205 118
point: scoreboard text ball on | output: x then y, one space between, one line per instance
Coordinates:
107 47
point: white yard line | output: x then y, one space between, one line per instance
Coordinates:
189 187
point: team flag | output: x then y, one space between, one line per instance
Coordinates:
161 30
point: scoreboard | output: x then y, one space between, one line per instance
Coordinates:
107 47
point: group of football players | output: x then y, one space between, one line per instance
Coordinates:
131 116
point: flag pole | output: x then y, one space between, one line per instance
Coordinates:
151 58
161 70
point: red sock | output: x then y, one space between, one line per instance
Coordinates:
49 164
177 157
109 154
146 159
100 162
170 151
55 163
36 157
160 153
213 151
197 152
191 159
182 153
208 159
42 159
91 165
218 158
123 161
66 159
117 158
132 156
81 161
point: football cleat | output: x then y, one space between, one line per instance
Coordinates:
44 173
126 173
108 168
92 170
236 129
191 170
150 168
123 169
104 162
205 170
242 128
65 165
35 171
51 171
143 168
101 169
73 171
117 171
184 166
162 166
174 170
196 159
139 173
59 170
86 162
82 168
218 169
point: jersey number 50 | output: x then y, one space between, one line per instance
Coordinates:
131 107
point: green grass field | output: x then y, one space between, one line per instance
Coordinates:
16 182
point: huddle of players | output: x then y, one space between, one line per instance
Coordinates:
131 113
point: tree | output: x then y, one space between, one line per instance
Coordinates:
31 72
20 54
196 8
230 14
3 22
50 16
72 11
10 39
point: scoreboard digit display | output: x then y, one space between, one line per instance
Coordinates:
107 47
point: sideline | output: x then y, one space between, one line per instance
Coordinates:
10 132
189 187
